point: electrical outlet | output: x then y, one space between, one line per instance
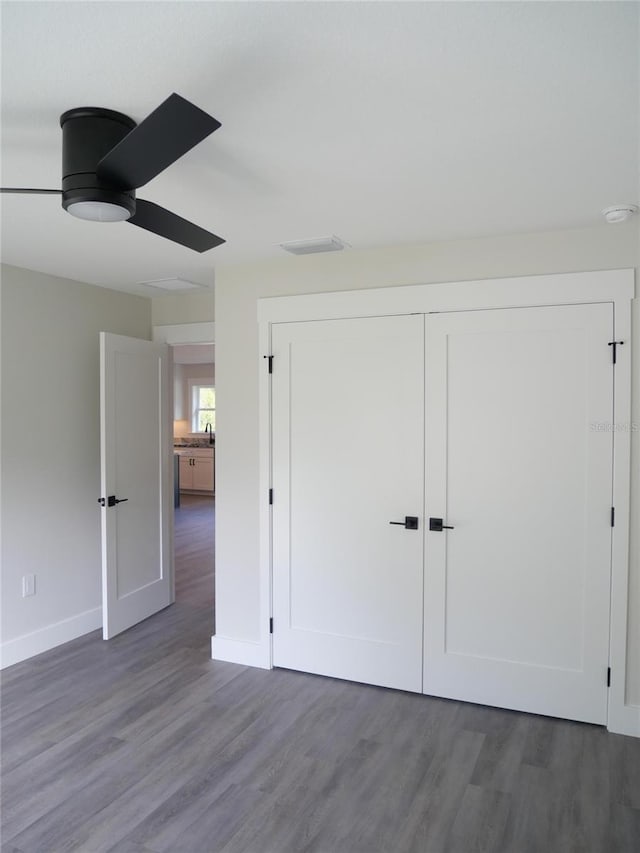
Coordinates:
28 585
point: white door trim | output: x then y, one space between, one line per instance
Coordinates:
612 286
524 291
623 718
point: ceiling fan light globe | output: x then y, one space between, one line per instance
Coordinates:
98 211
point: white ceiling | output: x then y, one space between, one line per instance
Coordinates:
383 123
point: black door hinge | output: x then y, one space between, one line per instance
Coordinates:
270 496
615 345
270 357
608 676
613 516
271 625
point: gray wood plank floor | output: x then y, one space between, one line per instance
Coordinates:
145 745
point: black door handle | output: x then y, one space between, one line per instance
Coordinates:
410 522
112 500
436 525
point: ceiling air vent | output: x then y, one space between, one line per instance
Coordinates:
172 284
311 247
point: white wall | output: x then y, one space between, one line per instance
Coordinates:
238 362
179 410
51 451
187 307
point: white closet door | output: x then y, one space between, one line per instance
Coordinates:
348 438
519 461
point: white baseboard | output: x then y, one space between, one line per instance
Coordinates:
625 721
28 645
240 651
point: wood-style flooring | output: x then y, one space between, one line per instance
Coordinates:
194 549
144 745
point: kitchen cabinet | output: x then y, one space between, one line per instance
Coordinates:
196 469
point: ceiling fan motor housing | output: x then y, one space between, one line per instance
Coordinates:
88 134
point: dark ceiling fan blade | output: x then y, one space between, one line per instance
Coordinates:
29 191
160 221
160 139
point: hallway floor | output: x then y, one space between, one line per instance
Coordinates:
194 550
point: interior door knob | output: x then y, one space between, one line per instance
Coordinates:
112 500
436 525
410 522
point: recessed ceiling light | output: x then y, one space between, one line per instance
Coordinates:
619 212
319 244
172 284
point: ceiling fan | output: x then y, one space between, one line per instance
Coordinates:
106 156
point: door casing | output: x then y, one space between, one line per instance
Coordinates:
609 286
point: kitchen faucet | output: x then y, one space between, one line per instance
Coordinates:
209 428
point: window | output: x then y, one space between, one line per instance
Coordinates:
203 407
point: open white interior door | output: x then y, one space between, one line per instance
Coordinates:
137 577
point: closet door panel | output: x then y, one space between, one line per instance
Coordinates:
519 463
348 437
